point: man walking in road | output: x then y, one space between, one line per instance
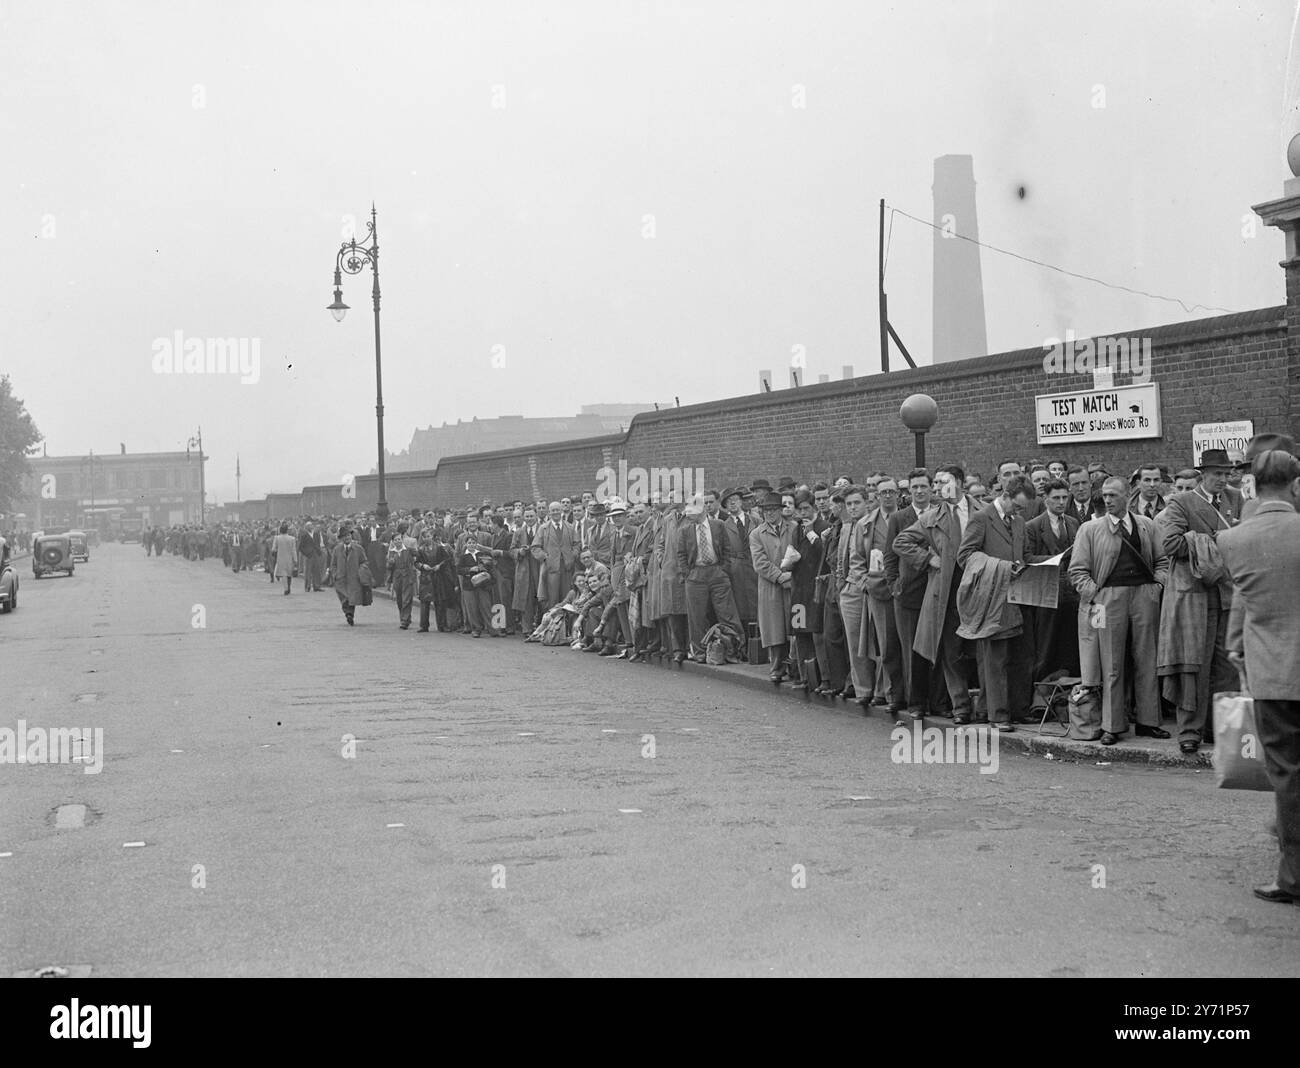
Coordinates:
1263 557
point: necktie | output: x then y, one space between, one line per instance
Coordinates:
706 544
1215 502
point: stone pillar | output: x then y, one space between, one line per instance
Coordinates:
1284 213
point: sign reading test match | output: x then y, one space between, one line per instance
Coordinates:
1098 415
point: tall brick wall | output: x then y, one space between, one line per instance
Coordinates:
1239 366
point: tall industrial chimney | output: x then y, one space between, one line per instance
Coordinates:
959 331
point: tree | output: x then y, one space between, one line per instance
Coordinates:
18 434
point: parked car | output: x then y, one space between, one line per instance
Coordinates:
51 553
8 587
80 545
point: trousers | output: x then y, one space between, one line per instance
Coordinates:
1279 731
1132 613
709 590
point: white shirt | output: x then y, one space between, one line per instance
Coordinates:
1115 522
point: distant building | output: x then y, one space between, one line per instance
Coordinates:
431 444
97 492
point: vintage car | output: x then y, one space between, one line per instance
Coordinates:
8 587
80 545
51 553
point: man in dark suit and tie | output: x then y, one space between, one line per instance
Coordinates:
1080 508
702 559
998 530
907 581
1263 557
1146 499
1056 630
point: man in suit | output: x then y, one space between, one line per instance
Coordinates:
1193 655
907 584
1011 469
832 653
555 548
1146 499
308 549
1118 568
1055 630
702 559
621 540
596 533
998 530
853 594
932 543
1263 557
882 641
740 567
1080 507
527 572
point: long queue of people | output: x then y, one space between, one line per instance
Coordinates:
889 591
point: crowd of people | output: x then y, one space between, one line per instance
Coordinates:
891 591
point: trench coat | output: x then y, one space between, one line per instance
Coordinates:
740 569
643 548
1185 607
286 555
937 532
528 569
345 570
766 549
672 584
803 587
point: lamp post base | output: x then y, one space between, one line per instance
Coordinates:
381 511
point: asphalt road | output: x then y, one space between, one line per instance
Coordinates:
267 850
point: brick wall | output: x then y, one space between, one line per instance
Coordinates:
1240 366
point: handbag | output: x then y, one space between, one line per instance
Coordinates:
364 576
481 578
1238 752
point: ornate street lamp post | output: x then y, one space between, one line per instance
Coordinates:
919 413
353 259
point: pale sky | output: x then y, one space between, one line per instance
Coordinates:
177 166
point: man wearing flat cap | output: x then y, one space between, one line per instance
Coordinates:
1192 656
1261 443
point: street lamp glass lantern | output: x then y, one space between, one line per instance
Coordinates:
338 309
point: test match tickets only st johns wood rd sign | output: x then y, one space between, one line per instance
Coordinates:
1098 415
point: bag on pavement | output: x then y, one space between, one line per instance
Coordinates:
1085 713
1238 752
715 645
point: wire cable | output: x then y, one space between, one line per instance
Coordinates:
1189 308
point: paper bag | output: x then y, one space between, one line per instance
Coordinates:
1238 752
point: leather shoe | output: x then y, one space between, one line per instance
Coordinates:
1107 738
848 693
678 657
1003 727
1151 732
961 719
1273 893
1188 747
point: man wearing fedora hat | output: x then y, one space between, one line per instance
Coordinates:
1192 656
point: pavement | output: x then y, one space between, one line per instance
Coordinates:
282 794
1042 738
